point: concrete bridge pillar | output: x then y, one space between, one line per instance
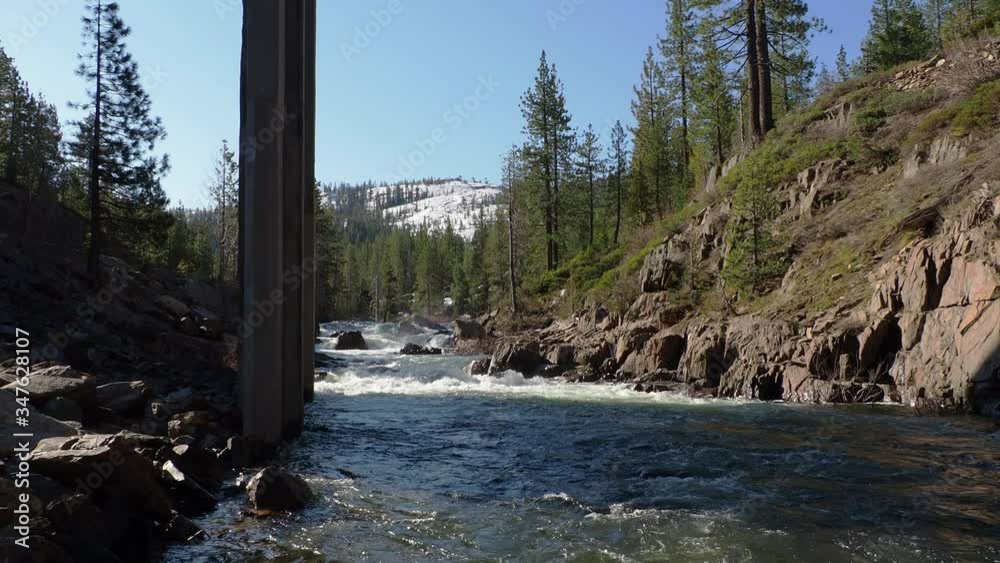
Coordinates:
276 191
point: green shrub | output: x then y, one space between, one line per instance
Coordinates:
978 112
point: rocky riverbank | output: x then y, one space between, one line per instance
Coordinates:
892 292
928 335
132 410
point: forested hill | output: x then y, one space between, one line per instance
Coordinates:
435 204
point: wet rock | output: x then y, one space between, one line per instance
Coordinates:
408 328
200 463
181 529
191 496
63 408
275 489
123 397
466 329
417 350
478 367
521 355
351 340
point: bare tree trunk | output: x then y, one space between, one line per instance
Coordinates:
753 76
94 251
510 243
764 71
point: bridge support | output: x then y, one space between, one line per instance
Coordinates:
277 112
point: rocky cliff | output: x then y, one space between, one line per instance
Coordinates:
892 293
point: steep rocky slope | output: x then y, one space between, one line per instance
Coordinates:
890 198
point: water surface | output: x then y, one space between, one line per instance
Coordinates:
412 460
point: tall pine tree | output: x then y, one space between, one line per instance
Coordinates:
116 140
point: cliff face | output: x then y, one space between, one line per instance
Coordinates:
893 287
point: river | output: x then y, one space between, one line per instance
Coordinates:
412 460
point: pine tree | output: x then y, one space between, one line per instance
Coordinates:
897 34
589 163
547 128
714 102
618 155
223 191
116 139
652 136
678 50
754 256
844 71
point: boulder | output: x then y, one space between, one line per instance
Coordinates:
351 340
192 498
103 465
123 397
466 329
275 489
521 355
478 367
60 381
201 464
42 426
561 355
417 350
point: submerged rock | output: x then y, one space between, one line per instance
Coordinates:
417 350
275 489
478 367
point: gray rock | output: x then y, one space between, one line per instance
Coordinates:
275 489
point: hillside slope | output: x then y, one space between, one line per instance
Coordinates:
889 190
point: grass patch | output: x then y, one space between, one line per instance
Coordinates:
978 112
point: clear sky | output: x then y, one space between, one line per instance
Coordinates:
386 91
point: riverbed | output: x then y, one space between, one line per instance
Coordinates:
413 460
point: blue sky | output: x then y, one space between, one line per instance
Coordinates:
377 100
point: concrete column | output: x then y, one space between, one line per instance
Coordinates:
261 179
276 153
293 210
309 219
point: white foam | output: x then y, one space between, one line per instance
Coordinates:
506 384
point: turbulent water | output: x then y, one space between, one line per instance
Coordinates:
412 460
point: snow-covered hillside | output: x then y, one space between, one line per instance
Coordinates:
436 204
